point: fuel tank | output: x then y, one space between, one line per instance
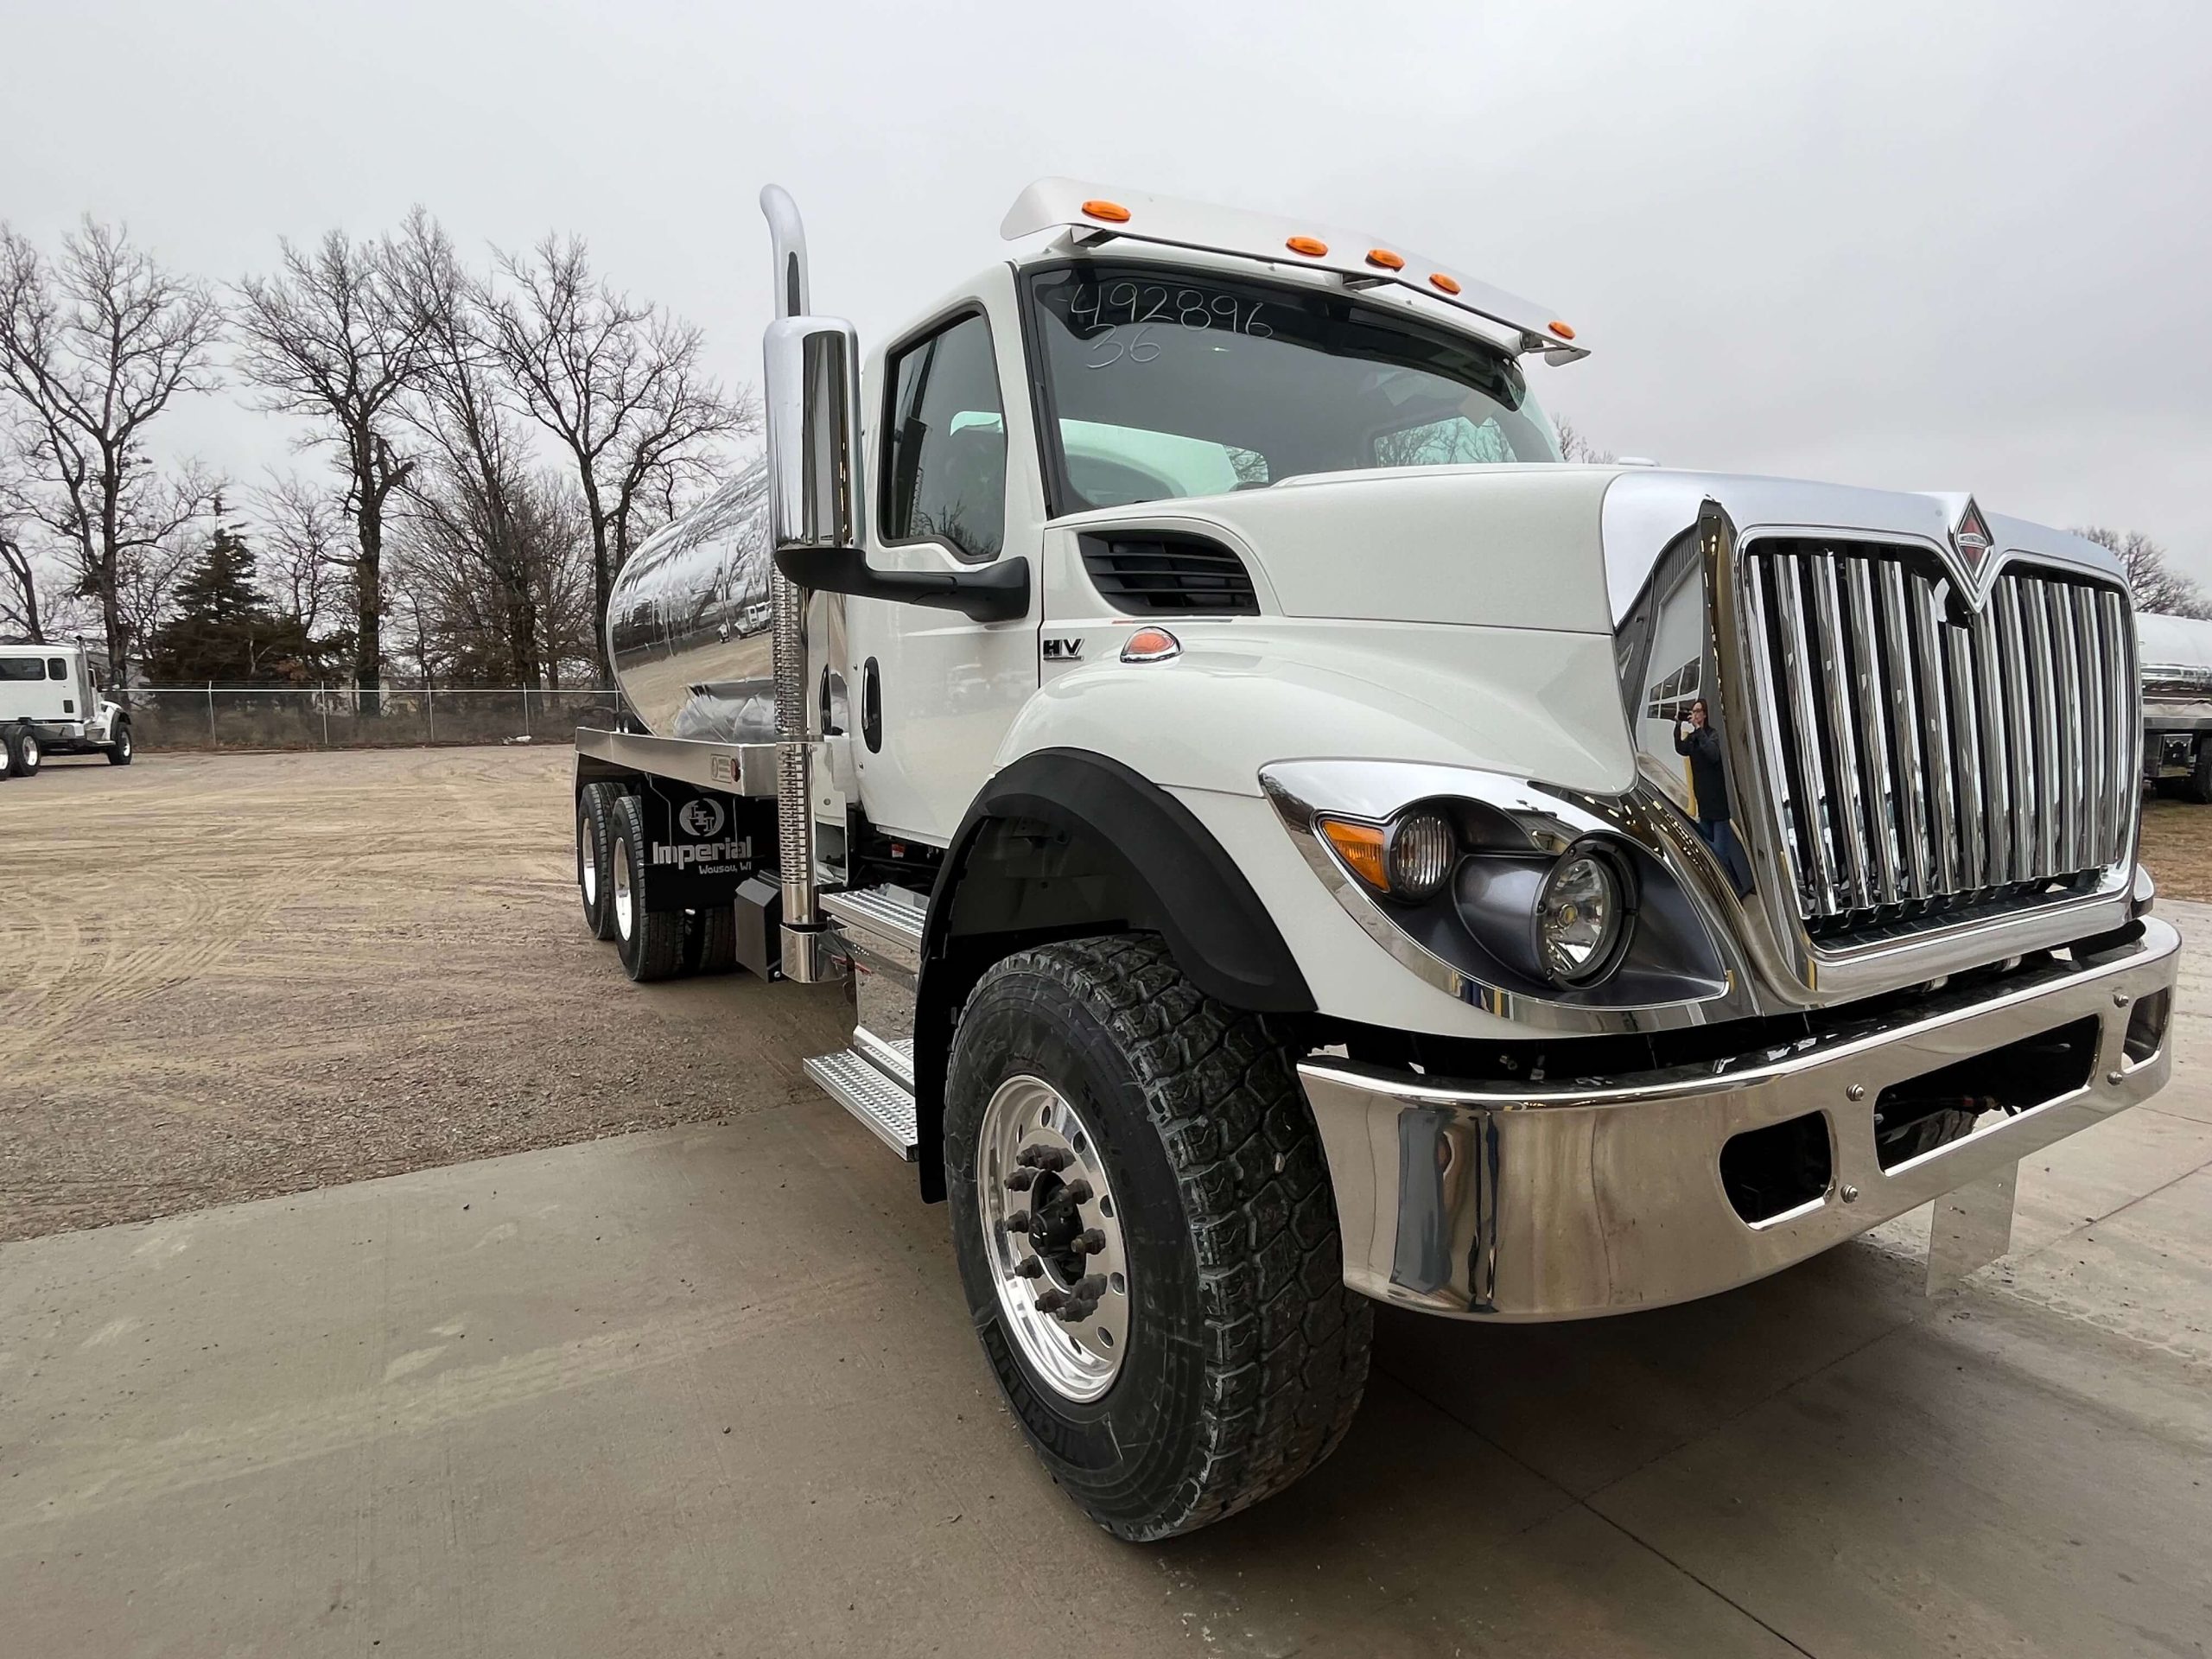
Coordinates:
688 622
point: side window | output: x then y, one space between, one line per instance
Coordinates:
57 667
945 452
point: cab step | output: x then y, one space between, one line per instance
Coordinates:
883 1101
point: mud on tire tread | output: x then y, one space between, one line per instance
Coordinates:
1284 1344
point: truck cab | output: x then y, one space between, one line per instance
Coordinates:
53 702
1296 842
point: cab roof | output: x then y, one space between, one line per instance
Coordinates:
1096 213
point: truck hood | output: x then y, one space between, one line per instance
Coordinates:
1558 548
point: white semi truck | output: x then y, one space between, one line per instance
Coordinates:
52 702
1295 843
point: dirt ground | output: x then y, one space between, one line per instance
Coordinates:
226 976
2177 846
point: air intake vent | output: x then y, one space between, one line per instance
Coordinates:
1169 576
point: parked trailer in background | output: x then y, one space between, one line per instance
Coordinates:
2175 653
1294 841
51 703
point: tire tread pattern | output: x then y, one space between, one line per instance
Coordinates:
1287 1342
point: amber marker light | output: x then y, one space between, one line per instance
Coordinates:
1312 247
1385 259
1449 284
1360 846
1561 329
1112 212
1151 646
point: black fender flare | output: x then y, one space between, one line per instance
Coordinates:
1171 875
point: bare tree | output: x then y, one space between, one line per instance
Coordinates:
19 611
2155 585
1572 446
93 349
305 551
332 337
621 385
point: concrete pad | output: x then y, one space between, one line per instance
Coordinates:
1926 1495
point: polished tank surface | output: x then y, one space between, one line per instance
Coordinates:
687 625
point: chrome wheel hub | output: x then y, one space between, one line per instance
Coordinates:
1052 1235
625 903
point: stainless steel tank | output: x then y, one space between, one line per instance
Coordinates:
688 624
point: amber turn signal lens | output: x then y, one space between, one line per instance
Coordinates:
1561 329
1385 259
1312 247
1360 846
1449 284
1151 646
1112 212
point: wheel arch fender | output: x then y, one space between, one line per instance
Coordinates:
1063 842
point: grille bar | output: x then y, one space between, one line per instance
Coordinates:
1922 755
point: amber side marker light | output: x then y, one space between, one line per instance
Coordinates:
1360 846
1151 646
1449 284
1312 247
1385 259
1561 329
1112 212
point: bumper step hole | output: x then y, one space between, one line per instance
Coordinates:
1766 1172
1931 1111
2146 1027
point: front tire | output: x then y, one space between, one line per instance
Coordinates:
649 942
1233 1357
119 750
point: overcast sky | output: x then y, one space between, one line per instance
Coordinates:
1925 246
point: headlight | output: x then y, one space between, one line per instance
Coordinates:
1579 917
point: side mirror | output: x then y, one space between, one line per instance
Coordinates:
812 398
817 513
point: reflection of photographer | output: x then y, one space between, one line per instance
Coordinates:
1696 738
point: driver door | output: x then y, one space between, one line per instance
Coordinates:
931 693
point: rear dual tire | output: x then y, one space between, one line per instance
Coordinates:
649 941
595 841
1238 1357
25 753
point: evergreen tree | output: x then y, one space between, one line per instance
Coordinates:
223 629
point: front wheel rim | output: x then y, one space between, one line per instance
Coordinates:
1052 1237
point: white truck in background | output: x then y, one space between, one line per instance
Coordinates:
1295 842
2176 658
52 702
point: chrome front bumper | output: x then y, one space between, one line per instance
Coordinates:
1556 1201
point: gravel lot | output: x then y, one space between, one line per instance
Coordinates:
228 977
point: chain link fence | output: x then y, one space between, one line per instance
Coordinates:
339 717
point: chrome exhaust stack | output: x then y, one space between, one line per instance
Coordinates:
810 405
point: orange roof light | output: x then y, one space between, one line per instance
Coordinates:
1561 329
1360 846
1449 284
1385 259
1312 247
1112 212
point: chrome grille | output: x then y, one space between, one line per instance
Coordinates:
1924 758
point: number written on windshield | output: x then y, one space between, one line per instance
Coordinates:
1118 320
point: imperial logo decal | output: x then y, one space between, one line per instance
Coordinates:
700 818
1970 539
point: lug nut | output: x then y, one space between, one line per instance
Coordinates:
1080 1190
1018 1222
1028 1156
1090 1288
1029 1267
1052 1301
1021 1180
1088 1242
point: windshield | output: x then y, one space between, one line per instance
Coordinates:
1168 384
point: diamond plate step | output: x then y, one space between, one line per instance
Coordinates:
862 1089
